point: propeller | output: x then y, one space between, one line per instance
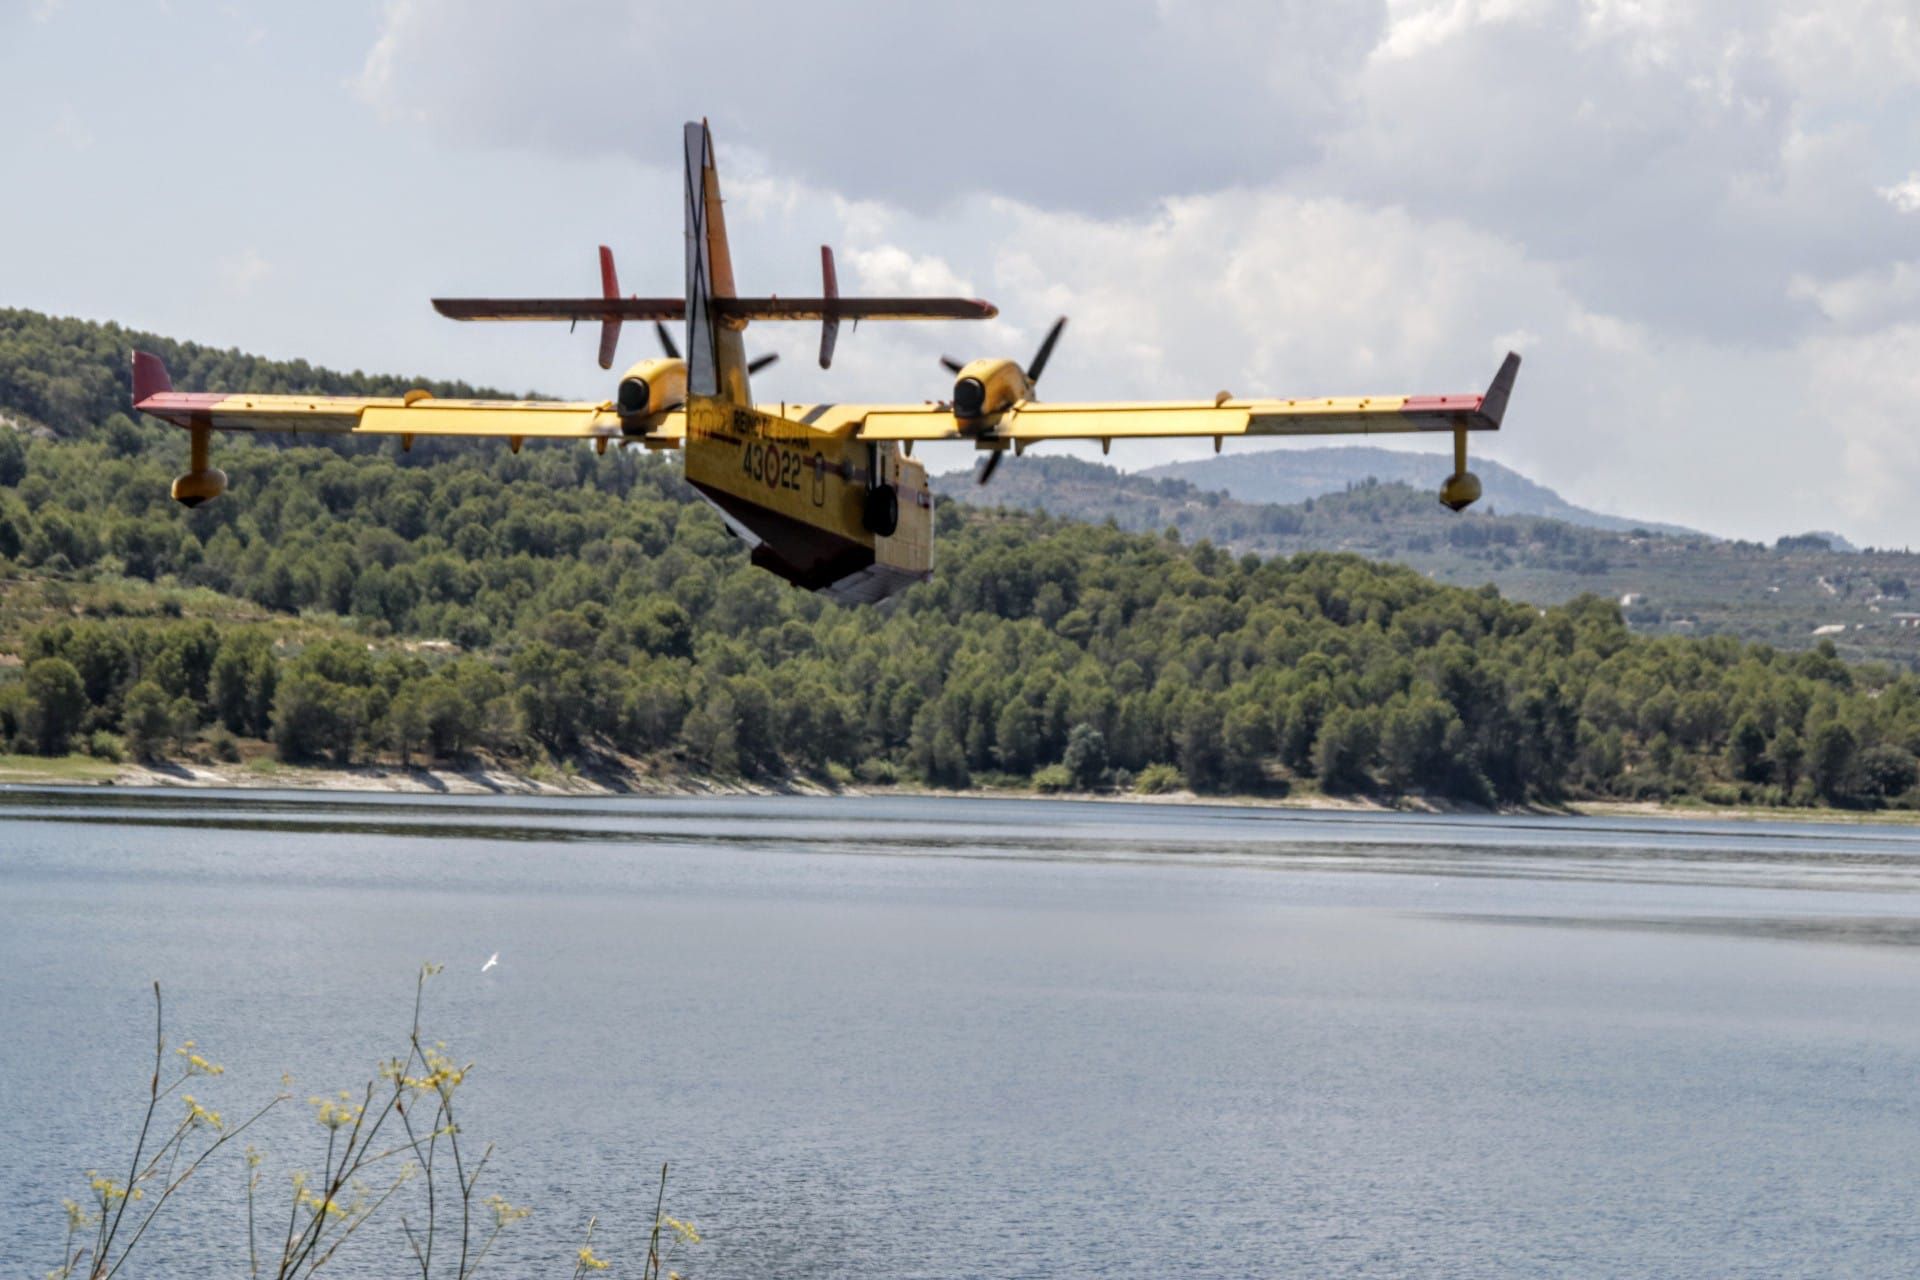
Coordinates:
672 349
1037 367
1040 358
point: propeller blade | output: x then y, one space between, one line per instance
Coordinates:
950 364
755 366
1039 365
666 341
992 465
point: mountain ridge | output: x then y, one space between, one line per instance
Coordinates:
1287 476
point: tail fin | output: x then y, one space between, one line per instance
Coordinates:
830 290
610 324
716 356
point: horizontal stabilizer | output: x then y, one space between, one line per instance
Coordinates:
598 309
618 309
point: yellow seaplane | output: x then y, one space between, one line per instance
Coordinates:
828 496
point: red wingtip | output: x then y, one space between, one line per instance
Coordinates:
149 377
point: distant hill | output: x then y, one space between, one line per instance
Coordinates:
1793 594
1293 475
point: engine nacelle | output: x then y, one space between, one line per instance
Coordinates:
1460 490
986 388
650 388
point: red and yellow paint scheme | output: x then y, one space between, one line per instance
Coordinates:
827 496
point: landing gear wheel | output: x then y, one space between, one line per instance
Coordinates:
882 513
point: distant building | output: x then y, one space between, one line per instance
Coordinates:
1631 599
1906 619
1831 629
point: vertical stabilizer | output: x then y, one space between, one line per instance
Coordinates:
716 355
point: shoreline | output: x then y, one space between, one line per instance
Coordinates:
82 771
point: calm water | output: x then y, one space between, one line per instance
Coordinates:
958 1038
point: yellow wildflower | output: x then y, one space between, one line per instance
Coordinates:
684 1230
197 1114
197 1065
335 1114
106 1190
441 1076
592 1261
503 1213
77 1217
318 1204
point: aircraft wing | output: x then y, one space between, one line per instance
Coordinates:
1032 421
415 414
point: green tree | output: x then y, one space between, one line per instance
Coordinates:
242 683
147 721
1414 745
315 718
1747 751
711 734
1885 771
56 704
13 458
1017 737
1086 757
1830 764
1344 753
1787 755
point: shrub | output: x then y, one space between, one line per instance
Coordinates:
876 772
105 745
1157 780
1052 778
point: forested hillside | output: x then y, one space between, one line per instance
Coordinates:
1792 594
555 606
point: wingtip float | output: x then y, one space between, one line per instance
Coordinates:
828 496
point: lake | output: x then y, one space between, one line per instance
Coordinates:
950 1037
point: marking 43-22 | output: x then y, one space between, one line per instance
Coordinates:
774 466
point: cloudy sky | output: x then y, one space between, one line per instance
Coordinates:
1699 220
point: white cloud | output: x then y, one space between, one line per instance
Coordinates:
244 271
1867 299
1904 196
1416 26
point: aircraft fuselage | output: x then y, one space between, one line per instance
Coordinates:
805 499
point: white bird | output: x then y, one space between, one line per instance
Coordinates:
492 960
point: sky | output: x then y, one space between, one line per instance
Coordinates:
1697 220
